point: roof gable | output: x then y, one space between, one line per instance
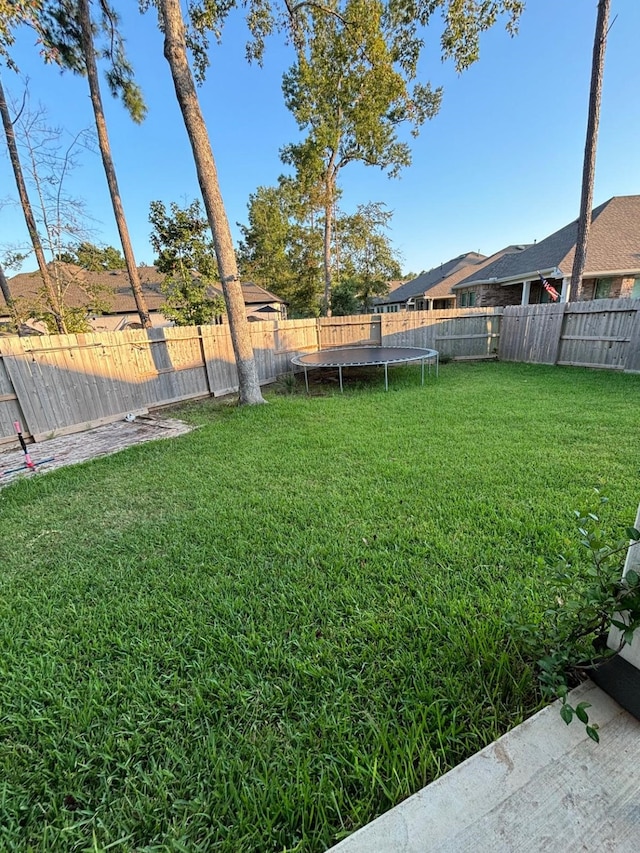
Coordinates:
428 280
445 288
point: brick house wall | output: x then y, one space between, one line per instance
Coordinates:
493 295
490 296
613 287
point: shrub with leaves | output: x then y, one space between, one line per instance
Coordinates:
186 256
590 595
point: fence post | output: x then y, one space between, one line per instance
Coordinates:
376 323
557 329
505 341
204 360
632 361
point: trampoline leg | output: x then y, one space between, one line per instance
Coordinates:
340 375
437 363
386 376
422 366
306 379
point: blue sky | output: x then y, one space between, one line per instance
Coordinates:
500 164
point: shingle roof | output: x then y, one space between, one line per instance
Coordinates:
116 286
428 280
254 294
118 289
614 245
443 288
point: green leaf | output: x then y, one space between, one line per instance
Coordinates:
593 733
632 577
633 533
581 714
621 626
566 712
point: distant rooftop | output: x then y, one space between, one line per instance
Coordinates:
427 280
614 245
118 288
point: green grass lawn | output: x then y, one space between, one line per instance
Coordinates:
259 636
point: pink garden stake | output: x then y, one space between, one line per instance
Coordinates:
28 461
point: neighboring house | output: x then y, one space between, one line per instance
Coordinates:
427 291
445 288
612 268
432 291
261 305
121 313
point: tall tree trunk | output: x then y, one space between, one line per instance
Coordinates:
326 255
589 167
175 52
4 287
89 54
330 180
6 292
50 290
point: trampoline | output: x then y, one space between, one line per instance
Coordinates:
366 357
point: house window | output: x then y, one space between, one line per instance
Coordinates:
603 288
464 297
635 292
472 298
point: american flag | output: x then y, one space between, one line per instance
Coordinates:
553 293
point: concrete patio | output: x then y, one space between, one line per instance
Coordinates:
90 444
544 786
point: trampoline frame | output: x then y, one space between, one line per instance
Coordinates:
424 356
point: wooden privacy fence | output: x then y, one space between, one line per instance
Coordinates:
66 383
603 333
457 333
